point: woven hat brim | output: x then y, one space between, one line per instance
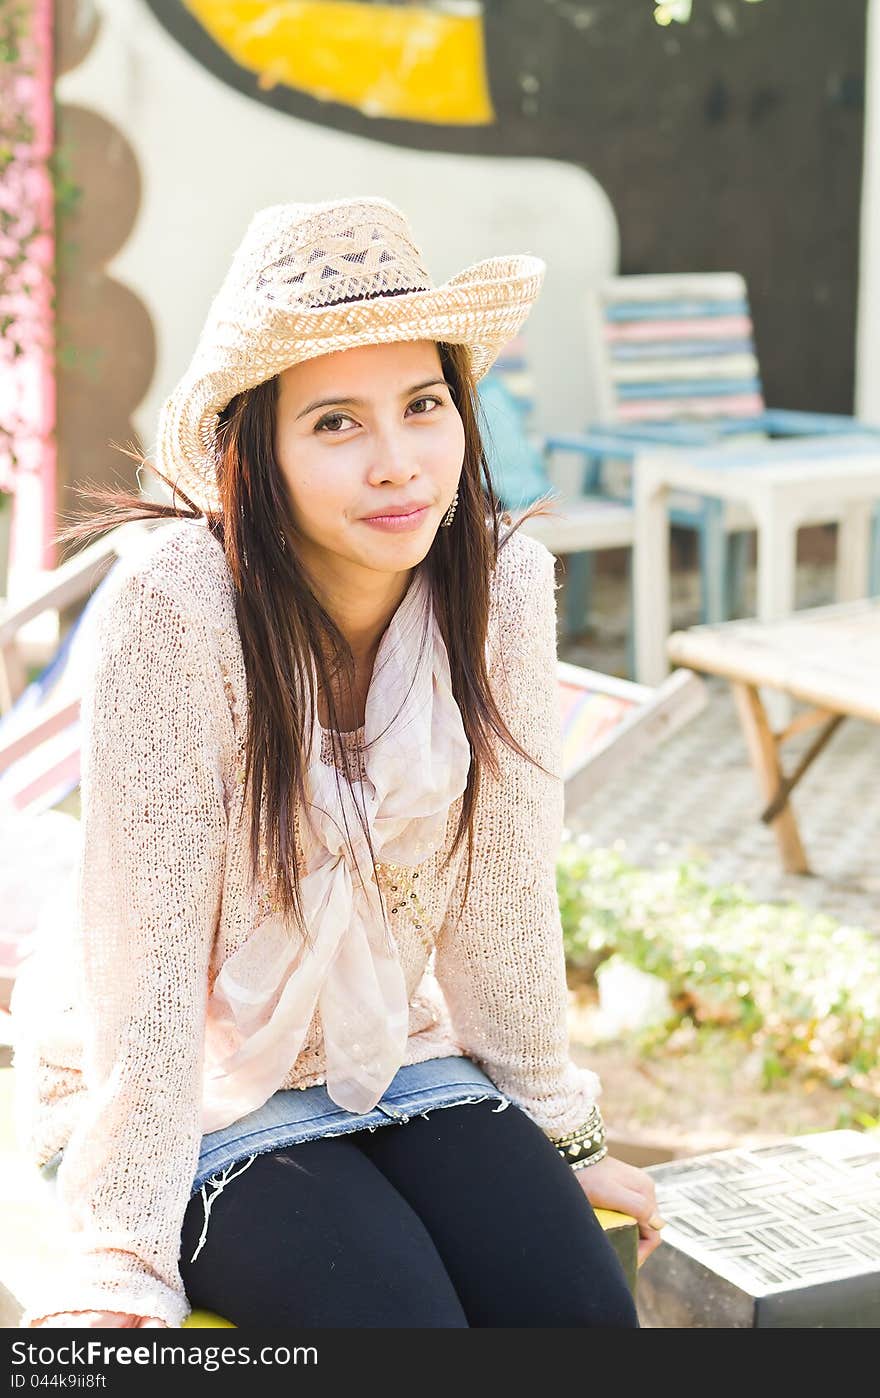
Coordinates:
482 306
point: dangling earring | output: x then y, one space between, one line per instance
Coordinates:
450 513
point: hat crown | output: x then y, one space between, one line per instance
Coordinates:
282 301
307 256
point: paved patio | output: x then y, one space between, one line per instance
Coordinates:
696 797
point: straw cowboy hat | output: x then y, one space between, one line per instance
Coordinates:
309 279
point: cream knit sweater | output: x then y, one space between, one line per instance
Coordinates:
109 1011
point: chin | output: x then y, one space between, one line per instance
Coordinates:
397 555
409 546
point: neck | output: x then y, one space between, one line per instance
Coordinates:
363 617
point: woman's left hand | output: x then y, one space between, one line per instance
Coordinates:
612 1184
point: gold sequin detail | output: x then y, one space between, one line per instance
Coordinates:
351 756
400 880
266 904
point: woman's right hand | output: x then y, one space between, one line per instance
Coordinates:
98 1320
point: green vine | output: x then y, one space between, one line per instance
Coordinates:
20 226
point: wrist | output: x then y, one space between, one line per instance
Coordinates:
584 1145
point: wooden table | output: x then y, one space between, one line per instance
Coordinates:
784 483
827 658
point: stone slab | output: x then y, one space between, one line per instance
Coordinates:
775 1237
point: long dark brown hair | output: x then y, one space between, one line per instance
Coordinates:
282 622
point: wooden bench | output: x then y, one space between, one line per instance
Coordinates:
827 659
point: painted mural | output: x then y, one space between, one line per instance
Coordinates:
416 62
732 142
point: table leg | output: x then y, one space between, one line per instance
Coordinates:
854 551
650 574
764 755
777 562
777 557
713 561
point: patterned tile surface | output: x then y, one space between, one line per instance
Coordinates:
778 1216
780 1237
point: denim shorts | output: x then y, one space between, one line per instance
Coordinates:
305 1114
295 1115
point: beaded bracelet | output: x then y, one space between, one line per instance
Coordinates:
590 1159
585 1145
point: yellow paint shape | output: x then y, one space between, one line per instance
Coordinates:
410 62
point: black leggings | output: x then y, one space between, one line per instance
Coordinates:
466 1216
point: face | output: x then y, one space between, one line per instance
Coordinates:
360 432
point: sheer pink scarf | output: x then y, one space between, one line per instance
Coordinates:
265 995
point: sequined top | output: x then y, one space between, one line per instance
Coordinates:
109 1012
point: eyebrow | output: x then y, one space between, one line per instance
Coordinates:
359 402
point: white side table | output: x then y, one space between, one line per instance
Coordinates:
784 483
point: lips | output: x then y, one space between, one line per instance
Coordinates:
394 511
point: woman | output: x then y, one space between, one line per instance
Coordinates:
321 809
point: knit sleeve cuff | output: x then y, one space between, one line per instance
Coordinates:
561 1105
105 1281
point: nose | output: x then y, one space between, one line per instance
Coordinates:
392 456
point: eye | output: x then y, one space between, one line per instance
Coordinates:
331 417
322 424
431 399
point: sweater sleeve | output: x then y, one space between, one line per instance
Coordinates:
501 966
148 888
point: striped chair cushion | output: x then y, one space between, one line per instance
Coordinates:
46 769
680 349
588 716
